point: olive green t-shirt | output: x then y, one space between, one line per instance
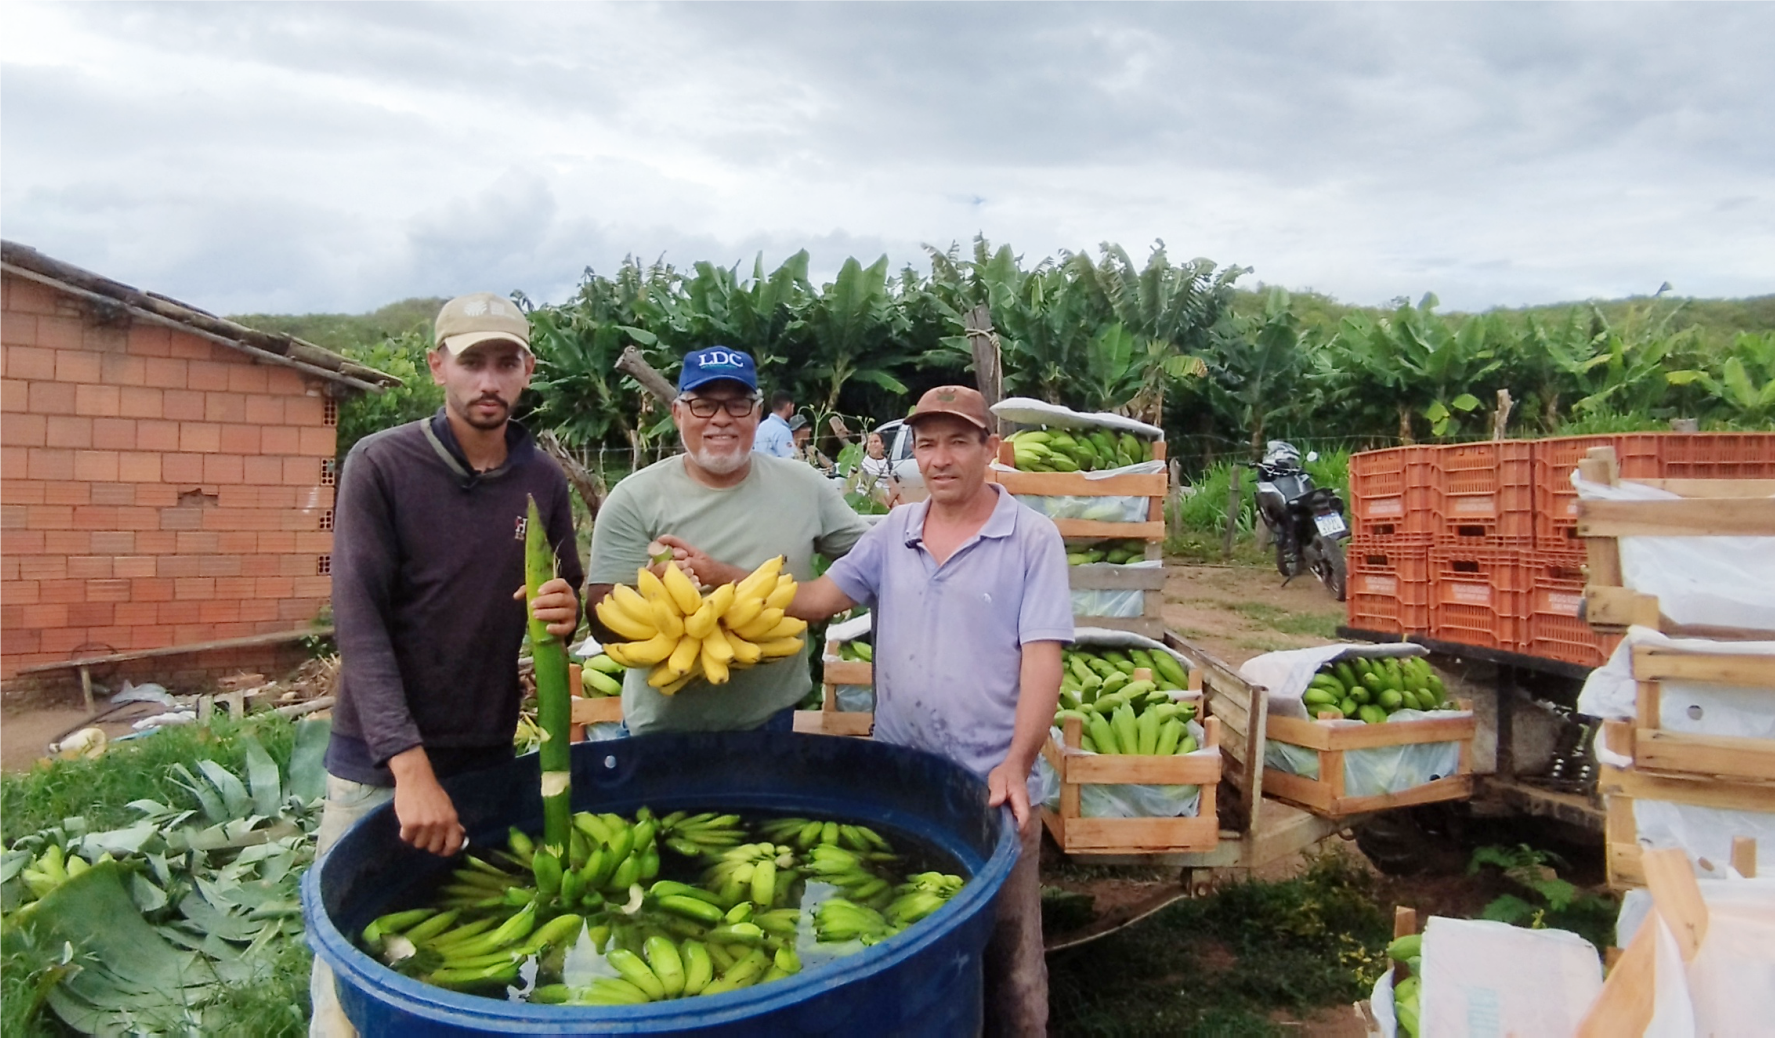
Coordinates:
783 507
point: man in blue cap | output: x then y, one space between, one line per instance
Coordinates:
723 509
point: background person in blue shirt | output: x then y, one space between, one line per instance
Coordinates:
971 608
774 436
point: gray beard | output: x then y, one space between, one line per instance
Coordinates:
720 464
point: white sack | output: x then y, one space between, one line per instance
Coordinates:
1027 411
1486 980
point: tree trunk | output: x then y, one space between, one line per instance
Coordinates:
1502 415
633 364
1406 426
589 486
989 376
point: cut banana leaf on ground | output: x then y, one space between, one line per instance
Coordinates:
128 978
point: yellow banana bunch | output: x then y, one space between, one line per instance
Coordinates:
680 634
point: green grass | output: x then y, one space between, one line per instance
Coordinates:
1319 625
1221 965
131 770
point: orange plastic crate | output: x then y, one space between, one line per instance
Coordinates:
1556 503
1477 596
1388 587
1394 495
1552 629
1486 494
1718 456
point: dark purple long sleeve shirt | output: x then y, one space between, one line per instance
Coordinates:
426 555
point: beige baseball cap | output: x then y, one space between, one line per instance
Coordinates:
470 320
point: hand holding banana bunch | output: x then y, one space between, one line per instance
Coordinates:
682 634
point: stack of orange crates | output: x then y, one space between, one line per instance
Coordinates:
1476 542
1392 515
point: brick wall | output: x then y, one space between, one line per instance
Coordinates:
155 488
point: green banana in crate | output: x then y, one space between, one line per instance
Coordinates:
1373 689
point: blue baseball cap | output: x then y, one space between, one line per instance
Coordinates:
715 364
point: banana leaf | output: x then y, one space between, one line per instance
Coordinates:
130 979
308 772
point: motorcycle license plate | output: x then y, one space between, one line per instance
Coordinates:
1331 524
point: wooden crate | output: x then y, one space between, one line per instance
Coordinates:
1150 582
1076 768
1325 795
1704 508
1077 484
1621 787
588 709
1708 757
829 719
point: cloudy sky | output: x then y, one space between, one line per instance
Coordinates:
334 157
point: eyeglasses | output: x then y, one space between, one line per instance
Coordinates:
704 407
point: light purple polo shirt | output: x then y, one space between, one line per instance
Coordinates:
948 638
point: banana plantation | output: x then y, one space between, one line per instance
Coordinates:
1180 344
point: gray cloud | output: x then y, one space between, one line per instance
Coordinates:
335 156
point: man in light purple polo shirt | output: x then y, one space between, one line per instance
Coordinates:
969 590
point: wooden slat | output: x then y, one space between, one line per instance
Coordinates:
1687 517
1317 736
1316 795
250 642
597 709
1146 626
1078 484
1645 785
849 672
1614 606
825 722
1138 770
1677 896
1153 531
1654 663
1132 835
1624 1006
1712 487
1101 576
1718 756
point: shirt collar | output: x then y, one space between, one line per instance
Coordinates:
1002 523
445 445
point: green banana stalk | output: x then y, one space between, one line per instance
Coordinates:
554 705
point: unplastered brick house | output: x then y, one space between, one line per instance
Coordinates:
167 475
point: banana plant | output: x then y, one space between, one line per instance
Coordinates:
854 334
1258 374
1414 364
1745 393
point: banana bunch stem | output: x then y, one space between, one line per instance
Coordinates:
554 711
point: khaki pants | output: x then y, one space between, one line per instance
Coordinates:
1016 975
347 802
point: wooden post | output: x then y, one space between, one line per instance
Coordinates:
977 324
1233 510
633 364
1502 415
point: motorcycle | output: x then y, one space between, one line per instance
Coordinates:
1306 522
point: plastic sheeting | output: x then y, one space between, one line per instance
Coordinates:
1097 509
1701 581
1107 800
856 699
1027 411
1120 604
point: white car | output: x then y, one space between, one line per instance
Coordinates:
898 435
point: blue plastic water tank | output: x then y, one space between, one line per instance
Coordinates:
927 981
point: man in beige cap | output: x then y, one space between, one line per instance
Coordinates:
428 546
969 593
